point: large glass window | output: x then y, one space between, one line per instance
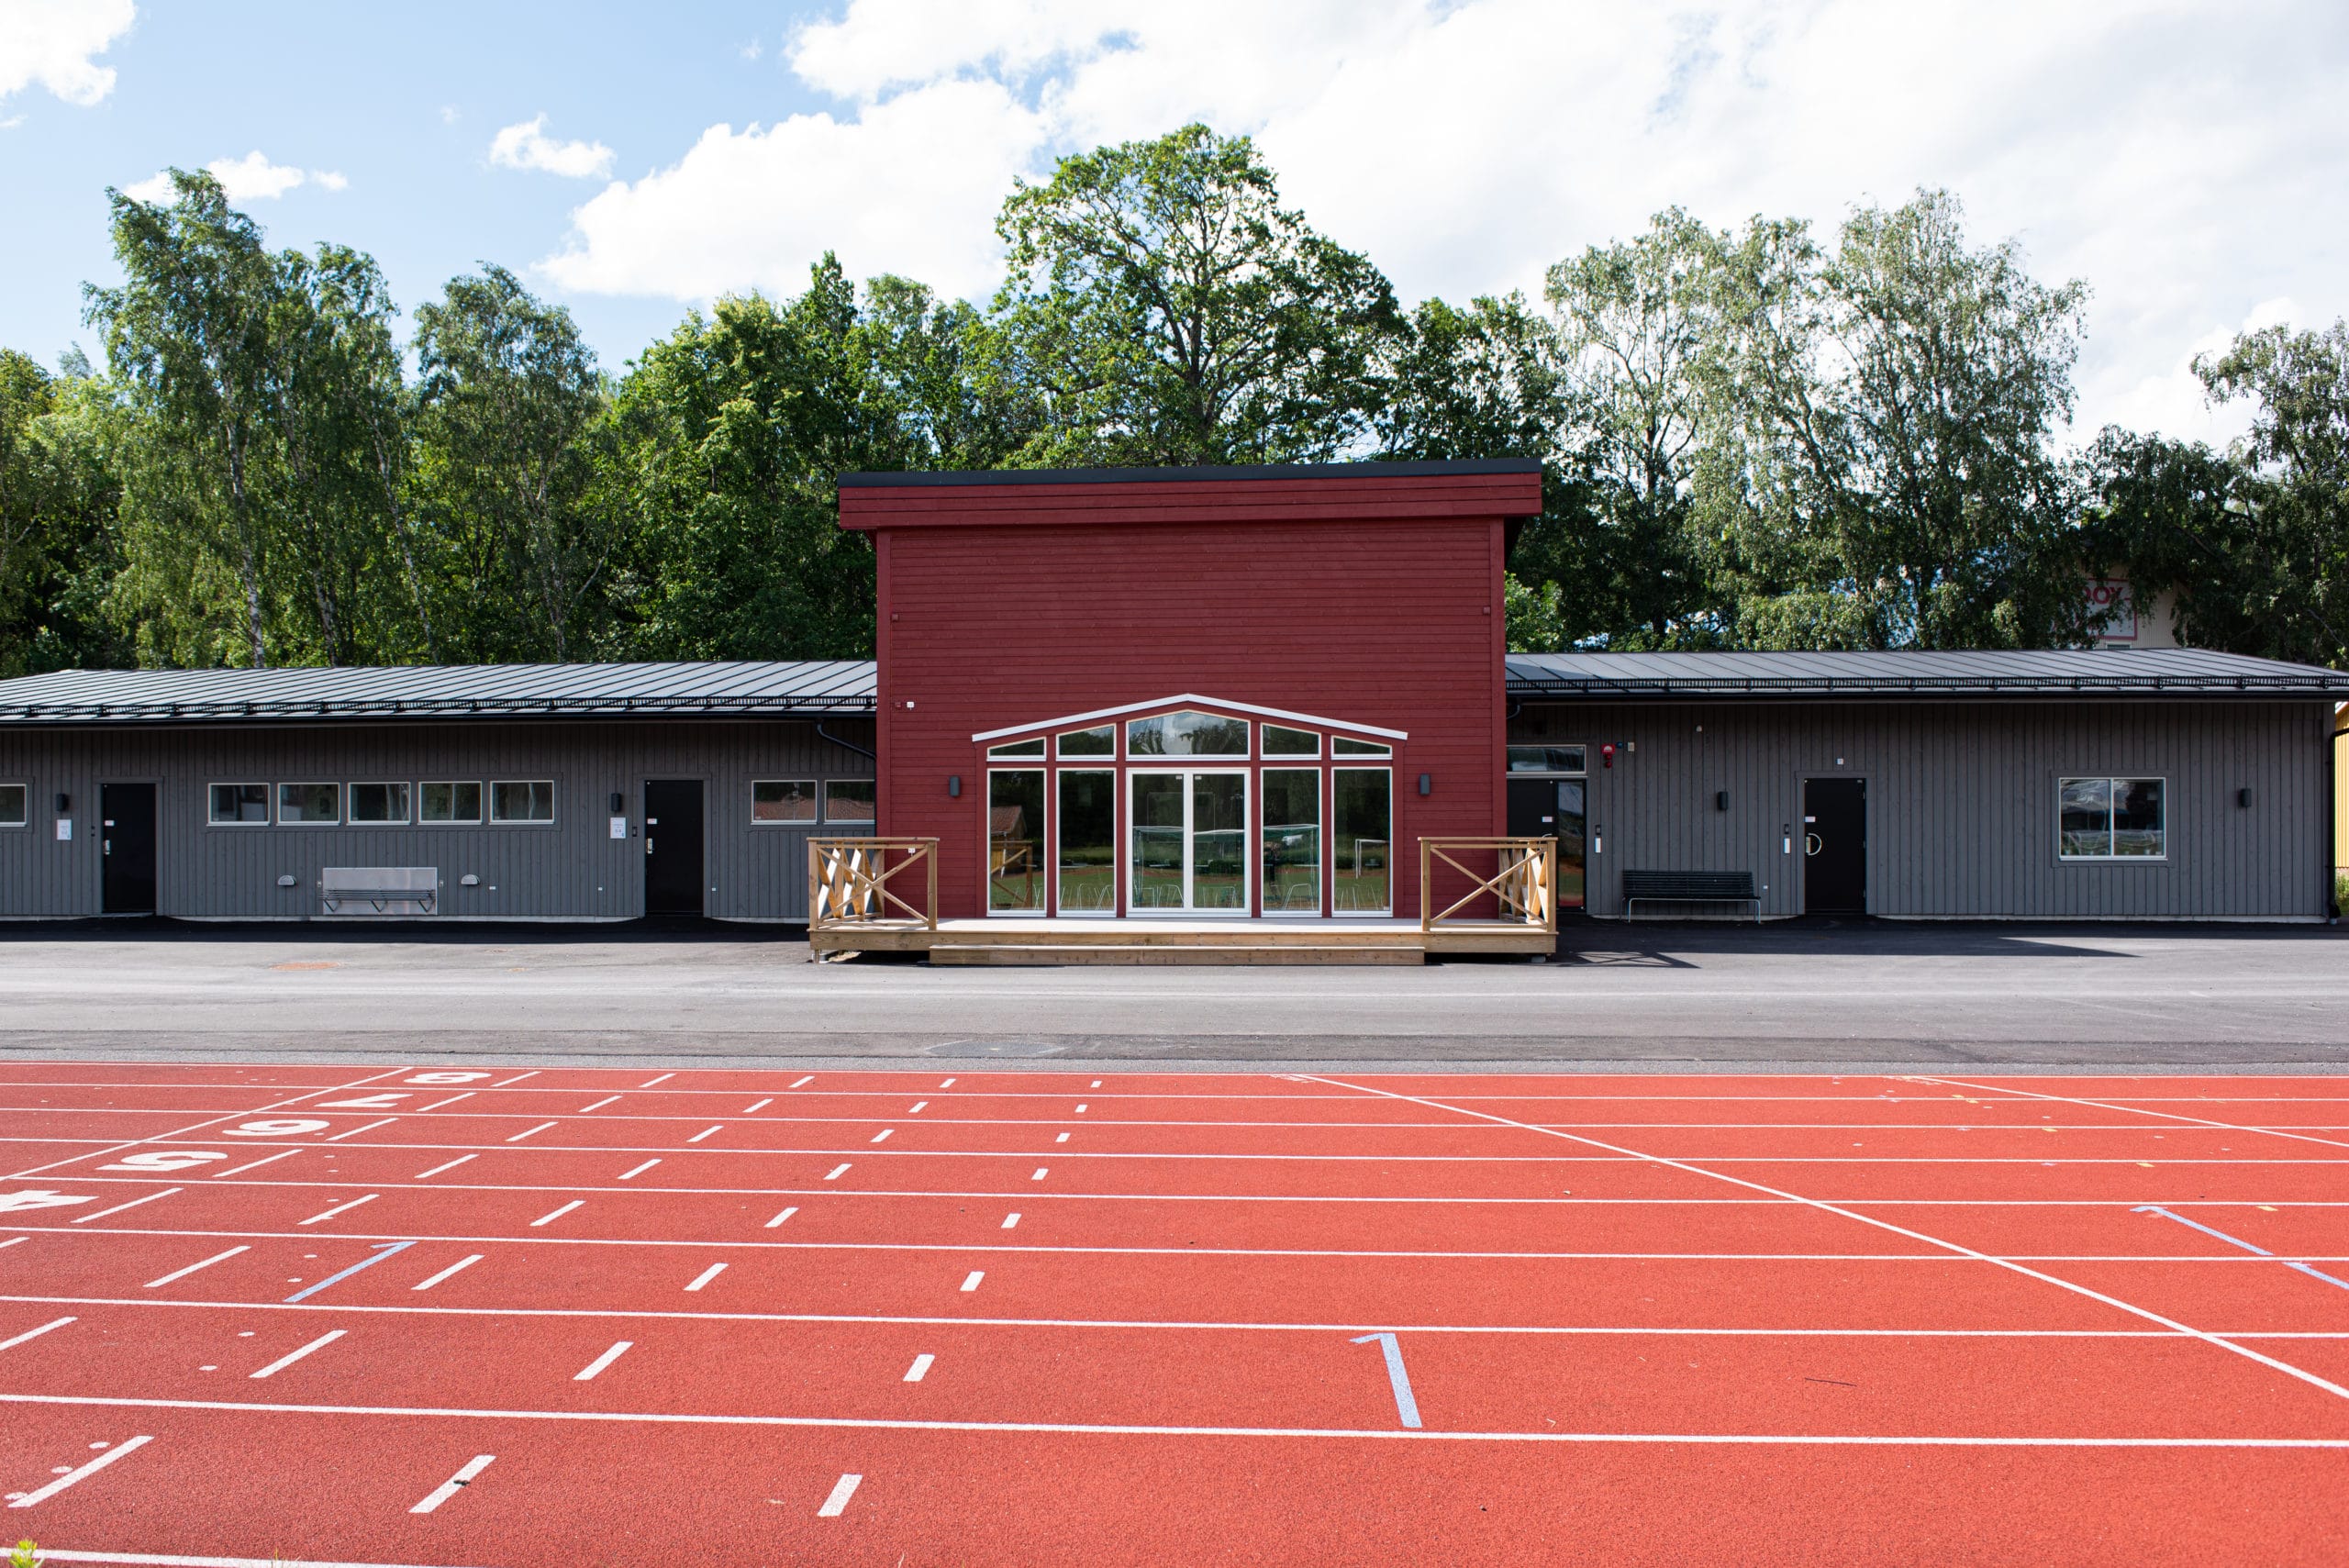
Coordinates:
240 802
1220 842
379 803
782 800
2111 819
1098 742
1548 760
1570 827
1033 747
1282 741
446 802
1157 875
848 800
1292 831
1088 842
1187 734
1016 840
521 800
309 803
1361 840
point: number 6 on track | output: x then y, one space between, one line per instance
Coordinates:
285 1126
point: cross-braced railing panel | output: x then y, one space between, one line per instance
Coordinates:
849 883
1524 885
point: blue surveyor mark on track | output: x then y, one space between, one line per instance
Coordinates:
2238 1241
1405 1405
382 1249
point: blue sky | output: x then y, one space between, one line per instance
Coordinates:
2186 158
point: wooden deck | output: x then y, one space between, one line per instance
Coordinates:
1064 940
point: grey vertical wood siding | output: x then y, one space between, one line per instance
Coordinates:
569 869
1962 801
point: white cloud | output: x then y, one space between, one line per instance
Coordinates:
12 122
2184 156
527 146
252 178
52 43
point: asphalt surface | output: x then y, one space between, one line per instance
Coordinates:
1832 997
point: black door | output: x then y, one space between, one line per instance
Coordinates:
1835 845
127 843
672 865
1553 808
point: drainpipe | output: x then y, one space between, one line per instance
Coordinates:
2332 824
823 734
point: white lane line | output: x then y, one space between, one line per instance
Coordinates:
2128 1109
882 1136
129 1445
1096 1083
705 1132
1062 1138
450 1101
134 1202
1960 1248
281 1363
558 1214
357 1130
540 1128
809 1079
599 1105
600 1363
640 1170
182 1273
779 1218
341 1209
837 1504
1080 1110
663 1079
970 1281
760 1106
920 1369
465 1262
918 1108
34 1333
1011 1220
16 1241
455 1484
706 1275
948 1084
836 1173
450 1166
1039 1173
254 1164
531 1074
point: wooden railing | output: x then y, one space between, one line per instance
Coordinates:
1525 885
848 882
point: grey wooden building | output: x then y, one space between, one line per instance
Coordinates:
536 791
2131 784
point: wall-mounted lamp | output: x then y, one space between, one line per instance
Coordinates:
2242 797
620 803
1721 800
955 787
64 803
1427 783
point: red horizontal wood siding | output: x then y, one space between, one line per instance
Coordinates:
1358 617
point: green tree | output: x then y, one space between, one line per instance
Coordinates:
1165 308
59 497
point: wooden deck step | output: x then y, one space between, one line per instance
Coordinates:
1061 953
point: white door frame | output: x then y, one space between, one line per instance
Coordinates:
1190 839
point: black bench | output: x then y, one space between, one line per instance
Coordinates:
1690 887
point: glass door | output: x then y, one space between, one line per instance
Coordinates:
1190 841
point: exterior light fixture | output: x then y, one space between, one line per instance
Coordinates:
2242 797
1721 800
620 803
1427 783
64 803
1607 754
955 787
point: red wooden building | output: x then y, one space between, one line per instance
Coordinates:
1238 691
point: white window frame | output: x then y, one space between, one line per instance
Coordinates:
815 800
1248 878
1107 766
1049 871
1272 758
489 804
402 820
24 818
1376 750
1330 840
1241 758
2111 810
856 821
1017 751
268 804
1581 773
481 805
1061 753
277 800
1324 797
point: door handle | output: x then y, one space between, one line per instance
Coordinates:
106 845
1812 844
648 843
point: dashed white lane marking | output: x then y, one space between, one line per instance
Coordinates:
1080 1110
559 1213
1039 1173
779 1218
357 1130
341 1209
809 1079
705 1132
465 1262
254 1164
600 1363
34 1333
917 1106
706 1275
531 1074
1096 1083
920 1369
882 1136
540 1128
663 1079
760 1106
836 1173
450 1166
837 1504
16 1241
1062 1138
599 1105
182 1273
948 1084
455 1484
290 1357
134 1202
970 1281
638 1170
450 1101
129 1445
1011 1220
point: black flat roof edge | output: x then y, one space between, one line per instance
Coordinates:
937 479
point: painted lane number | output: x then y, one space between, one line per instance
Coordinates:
156 1161
281 1127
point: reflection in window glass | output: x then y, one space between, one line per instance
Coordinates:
379 803
1187 734
1088 842
521 800
2137 827
1220 842
1034 747
1569 831
240 802
309 803
2102 820
2086 806
12 805
1282 741
1361 840
782 800
448 802
1016 840
1156 877
1547 760
1099 741
848 800
1342 746
1292 839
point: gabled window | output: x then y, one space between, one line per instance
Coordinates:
1187 733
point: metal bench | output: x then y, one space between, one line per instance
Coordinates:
379 890
1690 887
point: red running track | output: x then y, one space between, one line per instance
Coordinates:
445 1317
